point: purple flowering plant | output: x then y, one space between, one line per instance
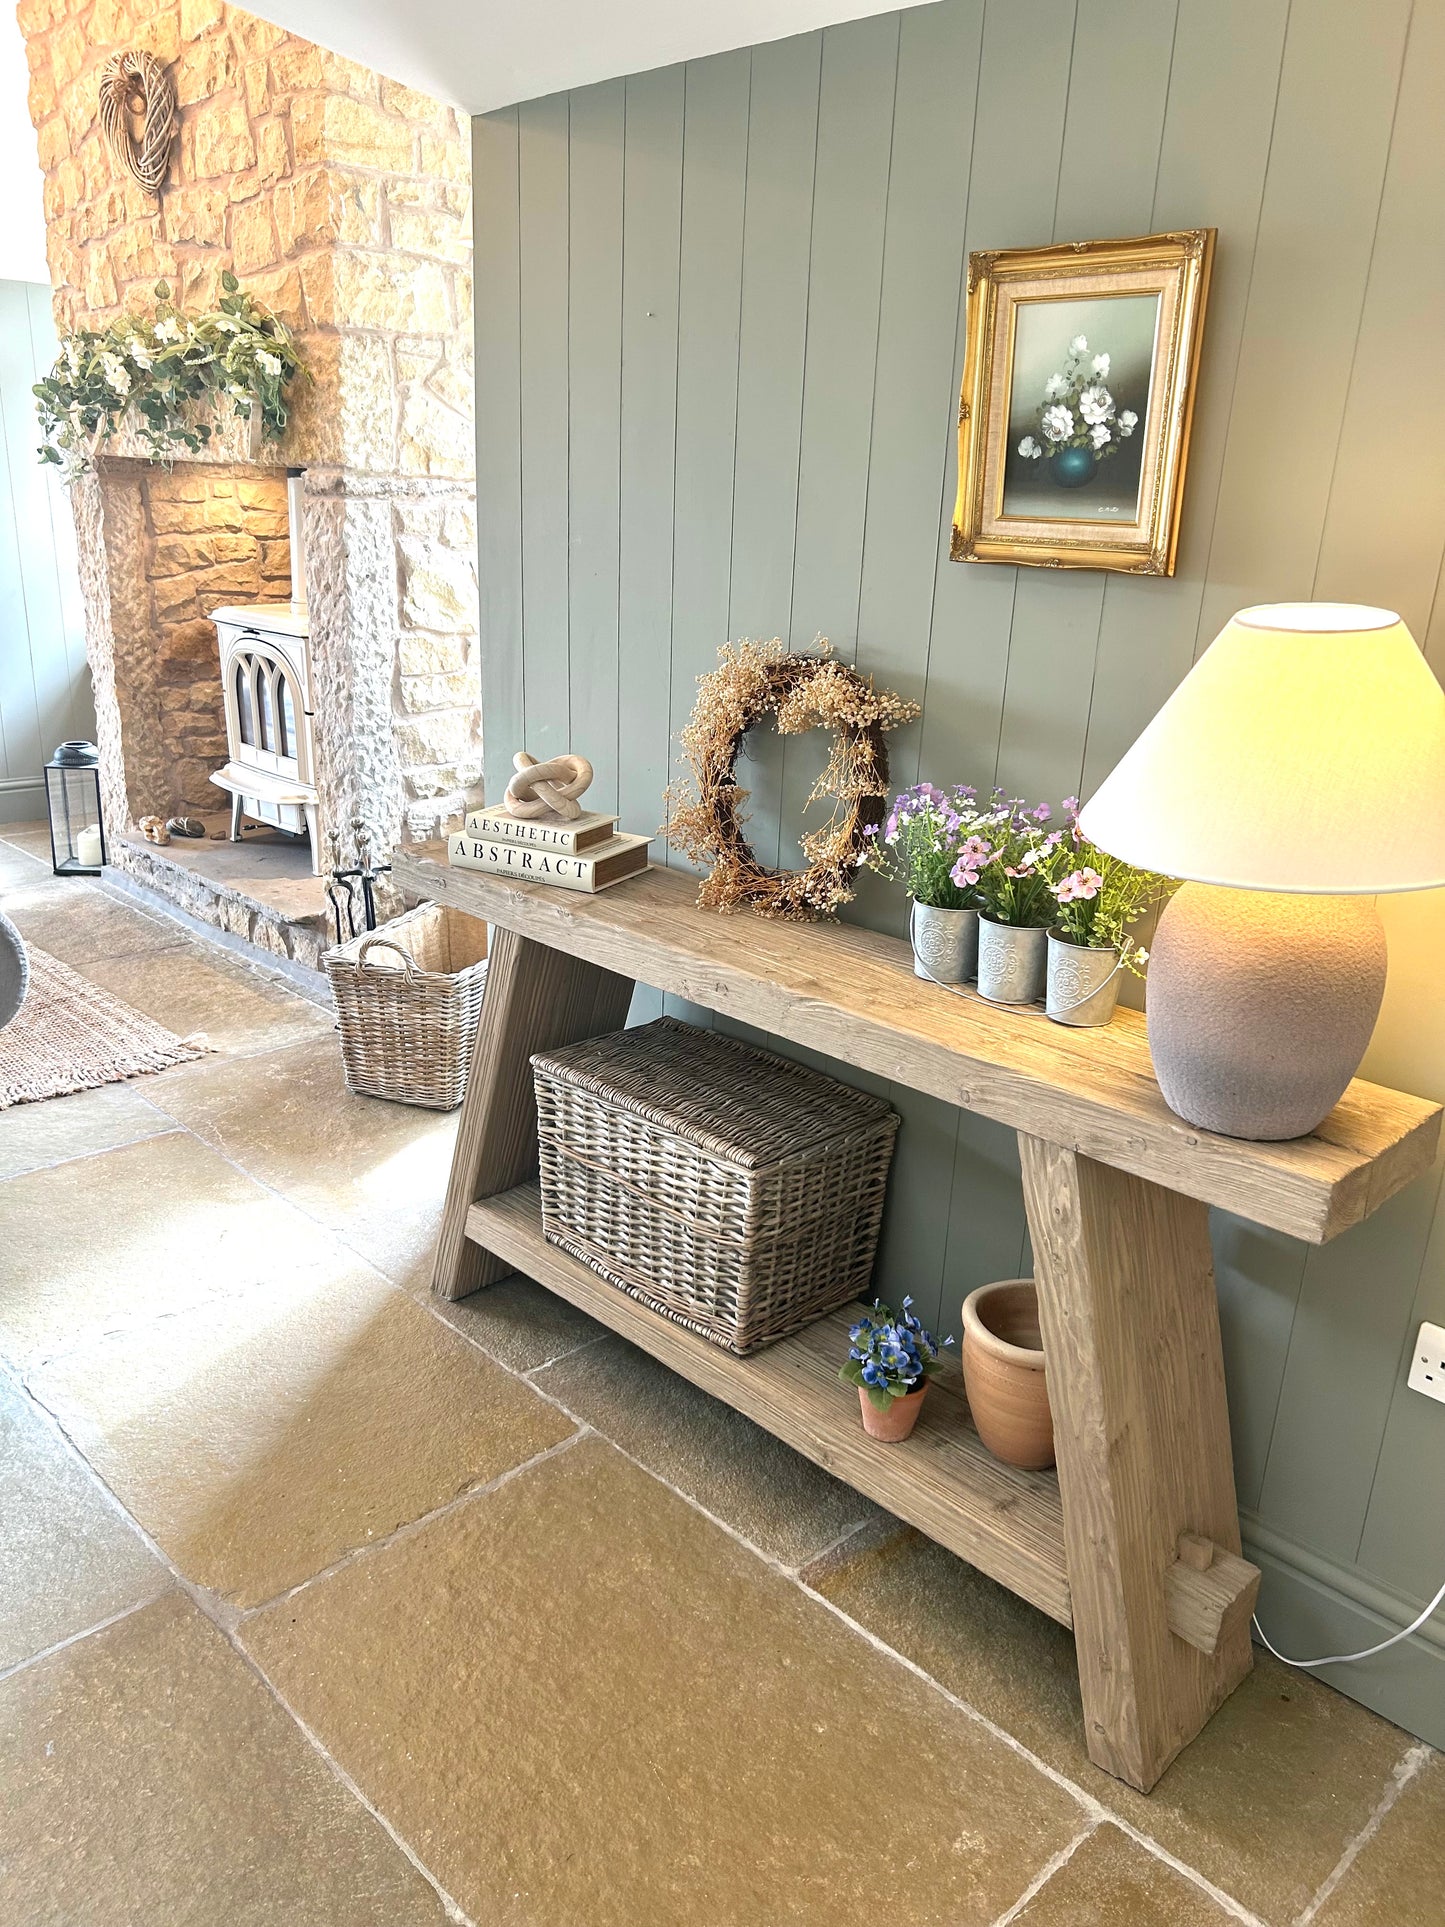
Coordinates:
890 1354
1097 896
1014 882
933 842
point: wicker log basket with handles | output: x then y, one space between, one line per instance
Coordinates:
408 997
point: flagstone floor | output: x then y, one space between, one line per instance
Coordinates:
325 1605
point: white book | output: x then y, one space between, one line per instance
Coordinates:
573 835
608 863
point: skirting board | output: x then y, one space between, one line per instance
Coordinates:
1310 1605
22 799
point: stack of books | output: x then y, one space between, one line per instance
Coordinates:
584 854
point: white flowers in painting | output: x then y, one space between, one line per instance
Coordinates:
1058 422
1096 404
1078 411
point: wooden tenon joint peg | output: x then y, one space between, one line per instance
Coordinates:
1208 1591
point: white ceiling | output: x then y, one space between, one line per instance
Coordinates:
22 216
481 54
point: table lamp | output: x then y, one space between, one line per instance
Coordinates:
1296 773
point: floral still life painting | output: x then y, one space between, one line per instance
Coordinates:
1078 391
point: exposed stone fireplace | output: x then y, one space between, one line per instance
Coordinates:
342 201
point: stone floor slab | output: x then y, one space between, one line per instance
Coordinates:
80 923
375 1171
68 1559
781 1502
516 1321
1398 1877
1110 1882
148 1779
197 987
1262 1803
34 1135
142 1232
588 1707
260 1439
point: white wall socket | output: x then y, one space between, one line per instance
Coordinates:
1427 1367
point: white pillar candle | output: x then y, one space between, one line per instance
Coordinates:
87 846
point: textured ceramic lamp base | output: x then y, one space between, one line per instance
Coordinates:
1261 1005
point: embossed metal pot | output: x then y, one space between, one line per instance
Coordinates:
1083 986
1003 1373
1012 960
945 943
1072 467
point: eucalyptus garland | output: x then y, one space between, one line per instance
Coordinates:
164 374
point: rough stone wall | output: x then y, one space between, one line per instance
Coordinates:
342 200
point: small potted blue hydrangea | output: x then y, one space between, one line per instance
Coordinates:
891 1359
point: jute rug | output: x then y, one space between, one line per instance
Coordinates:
70 1035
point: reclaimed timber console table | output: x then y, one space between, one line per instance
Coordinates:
1134 1541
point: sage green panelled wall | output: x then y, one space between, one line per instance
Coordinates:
44 682
720 338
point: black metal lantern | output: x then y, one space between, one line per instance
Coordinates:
72 800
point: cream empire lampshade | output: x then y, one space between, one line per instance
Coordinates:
1297 771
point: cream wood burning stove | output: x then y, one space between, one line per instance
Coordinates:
266 681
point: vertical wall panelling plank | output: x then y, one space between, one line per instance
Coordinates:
1222 90
49 666
19 709
59 538
773 327
1385 526
651 226
1118 86
714 173
1008 195
1317 227
1022 84
855 133
594 297
543 184
911 428
496 238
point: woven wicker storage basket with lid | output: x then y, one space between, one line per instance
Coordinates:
734 1191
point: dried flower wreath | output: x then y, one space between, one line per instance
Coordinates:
754 680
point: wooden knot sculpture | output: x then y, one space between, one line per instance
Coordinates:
550 788
138 116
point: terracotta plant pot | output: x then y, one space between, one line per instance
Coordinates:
1003 1373
898 1421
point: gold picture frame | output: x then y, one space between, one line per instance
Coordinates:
1103 489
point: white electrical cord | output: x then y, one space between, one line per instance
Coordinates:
1344 1659
1331 1659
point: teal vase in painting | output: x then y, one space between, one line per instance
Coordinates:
1072 467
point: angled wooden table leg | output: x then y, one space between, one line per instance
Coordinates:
537 998
1161 1598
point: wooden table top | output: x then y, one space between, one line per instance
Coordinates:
851 994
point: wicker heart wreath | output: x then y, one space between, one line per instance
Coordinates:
138 116
753 681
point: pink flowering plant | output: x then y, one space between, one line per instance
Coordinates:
1013 877
934 843
1098 896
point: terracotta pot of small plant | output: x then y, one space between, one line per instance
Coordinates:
1003 1373
891 1359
